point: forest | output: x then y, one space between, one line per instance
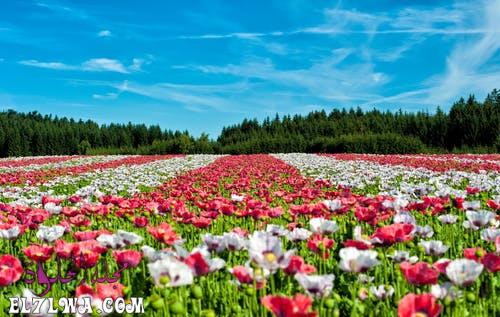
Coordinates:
469 126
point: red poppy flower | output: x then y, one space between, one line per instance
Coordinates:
441 265
10 270
391 234
493 204
198 264
164 233
112 290
358 244
474 253
282 306
366 214
63 249
297 265
85 259
413 305
141 222
201 222
84 289
131 258
242 274
38 253
79 220
419 273
74 199
103 291
491 262
320 244
85 254
92 245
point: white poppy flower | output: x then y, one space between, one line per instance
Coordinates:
318 286
50 234
434 247
170 272
356 261
463 272
323 226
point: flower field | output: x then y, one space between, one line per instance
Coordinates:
284 235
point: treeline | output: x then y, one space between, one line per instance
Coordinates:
469 126
25 134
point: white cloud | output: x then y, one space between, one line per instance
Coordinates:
137 64
92 65
107 96
192 97
49 65
104 33
104 65
326 79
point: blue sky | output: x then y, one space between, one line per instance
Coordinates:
200 65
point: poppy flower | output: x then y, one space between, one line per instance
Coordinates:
265 250
50 234
248 275
85 259
420 273
358 244
298 265
356 261
10 269
474 253
164 233
170 272
319 244
202 264
441 265
63 249
491 262
413 305
463 272
141 222
111 290
319 286
38 253
282 306
129 258
323 226
388 235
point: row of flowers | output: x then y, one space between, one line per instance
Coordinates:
438 164
70 162
34 160
34 177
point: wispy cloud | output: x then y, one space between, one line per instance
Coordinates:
239 35
107 96
326 79
469 65
62 10
436 21
104 65
49 65
465 66
104 33
91 65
